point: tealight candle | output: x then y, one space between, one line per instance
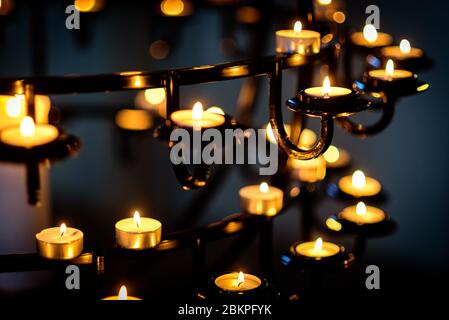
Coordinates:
317 249
29 135
238 282
370 38
138 233
389 73
336 158
362 214
327 91
261 199
358 185
304 42
310 171
122 295
402 52
60 243
134 119
197 118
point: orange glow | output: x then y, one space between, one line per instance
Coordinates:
172 7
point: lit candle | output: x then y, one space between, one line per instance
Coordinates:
60 243
402 52
307 137
362 214
197 118
238 282
261 199
370 38
29 135
134 119
310 171
13 110
390 73
304 42
327 91
138 233
358 185
336 158
317 249
122 295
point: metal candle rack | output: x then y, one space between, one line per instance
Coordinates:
171 80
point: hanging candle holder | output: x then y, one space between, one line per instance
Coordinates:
393 82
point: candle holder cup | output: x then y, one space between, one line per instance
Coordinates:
263 293
370 230
63 147
301 263
395 88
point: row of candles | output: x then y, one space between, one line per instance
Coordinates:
137 233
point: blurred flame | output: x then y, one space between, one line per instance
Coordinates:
14 106
332 154
216 110
370 33
325 2
360 209
263 187
298 26
326 89
404 46
358 179
197 111
123 293
172 7
318 246
27 127
155 95
389 69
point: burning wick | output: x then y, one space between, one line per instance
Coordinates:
62 229
318 246
240 279
326 87
264 187
137 218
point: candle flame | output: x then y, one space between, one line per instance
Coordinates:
326 86
370 33
216 110
389 69
332 154
197 111
13 106
27 127
358 179
240 279
263 187
318 246
62 229
123 293
298 26
360 209
404 46
137 218
325 2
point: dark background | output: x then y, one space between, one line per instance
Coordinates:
99 186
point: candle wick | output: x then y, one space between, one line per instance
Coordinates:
326 95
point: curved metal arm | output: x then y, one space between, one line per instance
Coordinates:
277 123
359 129
192 180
